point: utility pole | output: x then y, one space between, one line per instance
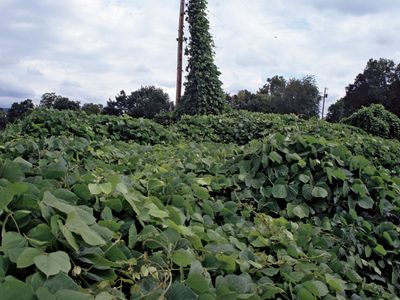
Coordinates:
179 69
323 101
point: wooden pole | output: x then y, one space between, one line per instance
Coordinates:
179 69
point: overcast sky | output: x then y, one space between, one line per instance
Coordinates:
89 50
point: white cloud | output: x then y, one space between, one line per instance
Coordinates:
90 50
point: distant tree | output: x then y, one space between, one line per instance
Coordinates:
203 89
247 100
48 100
394 92
63 103
379 83
3 119
275 86
336 111
92 108
19 110
52 100
145 102
278 95
301 97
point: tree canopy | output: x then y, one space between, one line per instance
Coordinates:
20 109
145 102
278 95
378 83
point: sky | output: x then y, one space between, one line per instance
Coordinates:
90 50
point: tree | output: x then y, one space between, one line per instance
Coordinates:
52 100
301 97
203 89
247 100
298 96
63 103
145 102
336 111
92 108
379 83
19 110
3 119
48 100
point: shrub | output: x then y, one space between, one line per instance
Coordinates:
375 119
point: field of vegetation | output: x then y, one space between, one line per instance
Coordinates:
237 206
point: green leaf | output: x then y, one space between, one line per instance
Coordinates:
301 211
11 171
319 192
198 283
94 189
76 225
304 294
53 263
68 236
44 294
336 284
72 295
178 291
275 157
379 249
366 203
6 196
279 191
183 257
304 178
16 290
27 256
132 236
317 288
106 188
13 244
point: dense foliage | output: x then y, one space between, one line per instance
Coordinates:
379 83
20 110
278 95
377 120
203 89
104 207
145 102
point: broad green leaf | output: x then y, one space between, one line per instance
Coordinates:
106 188
11 171
179 291
27 256
305 294
53 263
335 283
279 191
6 196
379 249
14 289
132 236
76 225
69 237
94 189
183 257
44 294
13 244
198 283
366 202
72 295
319 192
317 288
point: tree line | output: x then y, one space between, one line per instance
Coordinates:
379 83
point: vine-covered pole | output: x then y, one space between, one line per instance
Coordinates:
179 70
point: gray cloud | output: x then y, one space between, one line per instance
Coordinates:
90 50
